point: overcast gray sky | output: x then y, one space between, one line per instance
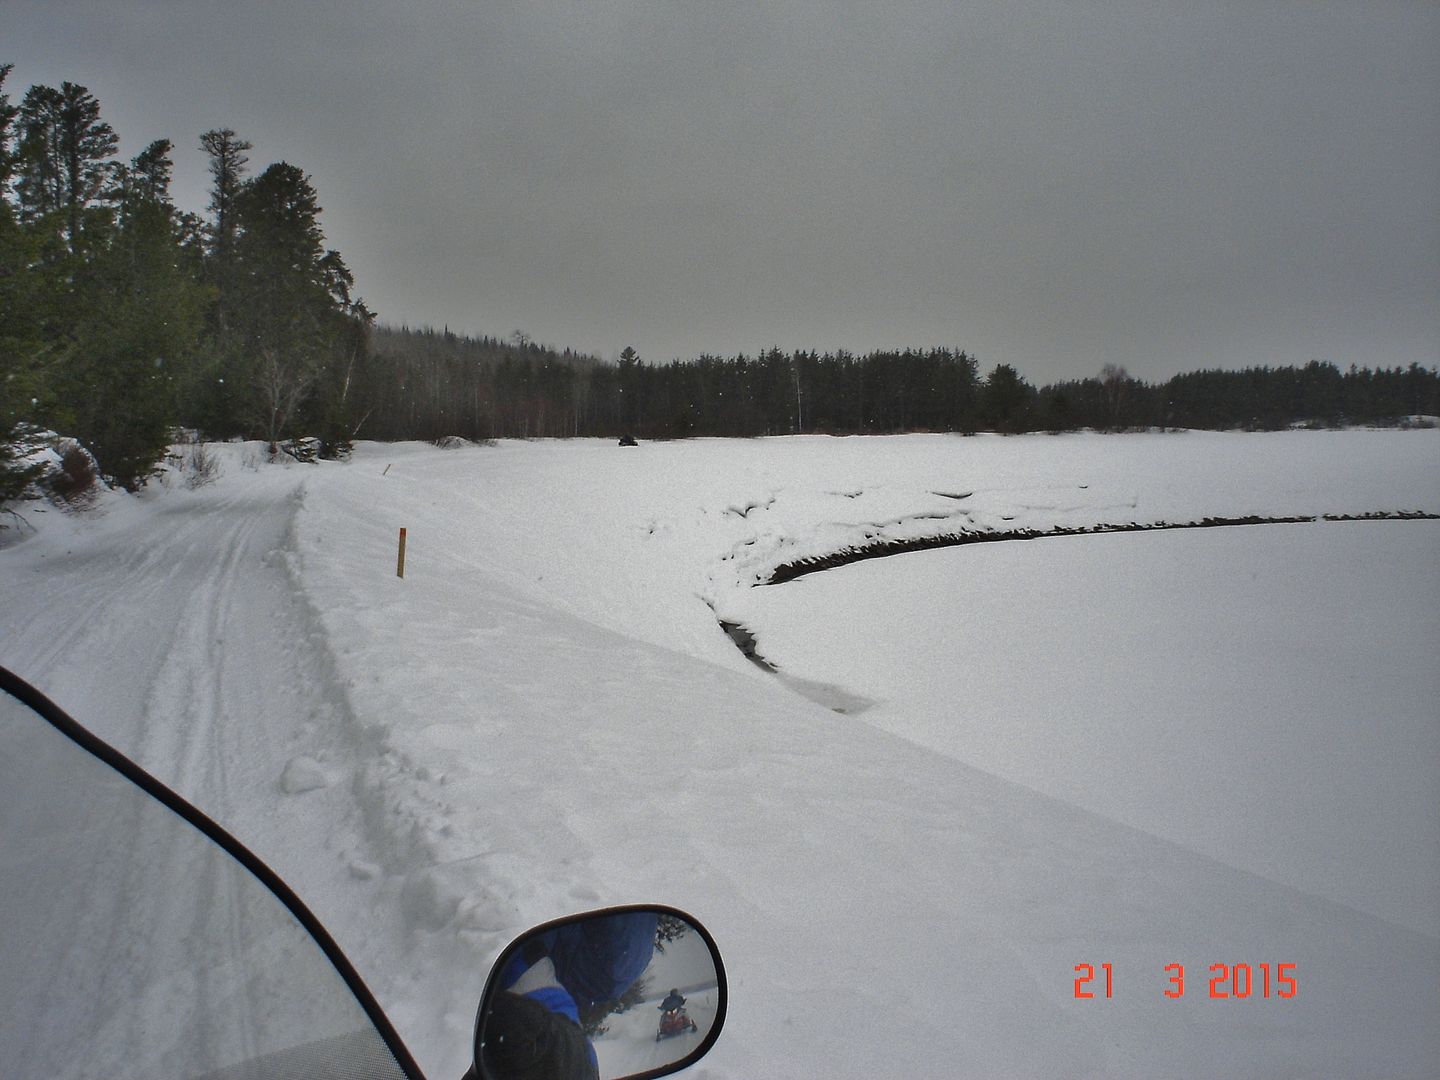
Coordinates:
1054 185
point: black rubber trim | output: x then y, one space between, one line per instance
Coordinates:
492 985
25 693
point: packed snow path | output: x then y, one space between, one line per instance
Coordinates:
545 716
175 628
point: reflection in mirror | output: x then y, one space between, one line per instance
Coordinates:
624 992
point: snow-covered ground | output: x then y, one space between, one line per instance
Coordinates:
1116 749
1265 695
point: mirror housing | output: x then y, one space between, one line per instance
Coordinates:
627 992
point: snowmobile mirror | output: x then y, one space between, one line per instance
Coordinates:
626 992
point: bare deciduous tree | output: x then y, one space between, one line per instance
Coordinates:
280 383
1114 379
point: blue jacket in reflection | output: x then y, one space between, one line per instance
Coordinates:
583 963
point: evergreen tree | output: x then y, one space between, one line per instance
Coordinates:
628 388
8 115
292 309
1005 400
39 188
227 168
147 180
63 155
19 328
140 314
220 406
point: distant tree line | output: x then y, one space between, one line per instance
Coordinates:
1255 399
445 384
441 383
123 318
429 384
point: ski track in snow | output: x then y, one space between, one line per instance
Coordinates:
544 717
185 639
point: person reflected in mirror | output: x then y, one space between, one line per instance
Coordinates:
673 1020
537 1036
532 1028
598 959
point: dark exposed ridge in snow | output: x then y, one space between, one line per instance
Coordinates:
881 548
745 641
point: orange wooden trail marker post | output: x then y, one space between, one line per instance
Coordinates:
400 560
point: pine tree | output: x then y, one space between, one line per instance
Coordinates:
140 318
62 161
25 282
227 167
293 306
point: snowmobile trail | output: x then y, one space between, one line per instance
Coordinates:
122 587
181 635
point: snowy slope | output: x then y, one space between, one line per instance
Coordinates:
545 716
1265 695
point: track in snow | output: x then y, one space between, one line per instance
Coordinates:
225 677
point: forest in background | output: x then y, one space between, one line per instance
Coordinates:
443 384
125 319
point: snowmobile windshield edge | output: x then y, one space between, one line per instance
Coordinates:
136 945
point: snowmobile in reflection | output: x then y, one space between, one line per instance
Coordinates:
673 1020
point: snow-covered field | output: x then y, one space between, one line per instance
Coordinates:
1139 750
1264 695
